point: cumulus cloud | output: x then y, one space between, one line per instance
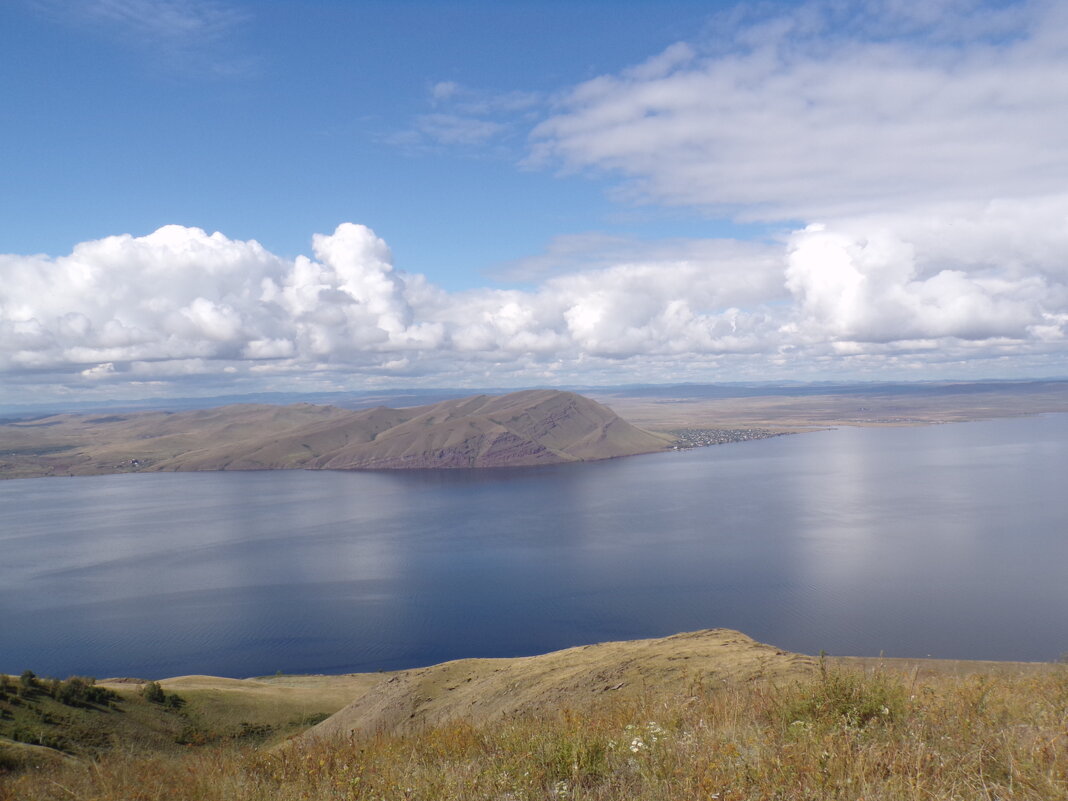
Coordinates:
875 293
182 302
868 290
915 149
999 271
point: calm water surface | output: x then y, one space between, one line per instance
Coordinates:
943 540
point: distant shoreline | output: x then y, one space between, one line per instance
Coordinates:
681 417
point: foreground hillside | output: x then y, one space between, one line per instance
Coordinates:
708 715
579 679
522 428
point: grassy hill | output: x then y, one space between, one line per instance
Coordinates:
708 715
42 721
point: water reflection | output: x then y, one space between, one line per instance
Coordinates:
944 540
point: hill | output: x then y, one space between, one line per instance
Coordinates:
531 427
485 690
708 714
44 720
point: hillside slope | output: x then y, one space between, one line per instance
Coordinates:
865 729
522 428
483 690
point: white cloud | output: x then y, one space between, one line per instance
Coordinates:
752 265
919 145
866 296
871 288
100 371
467 119
830 112
443 90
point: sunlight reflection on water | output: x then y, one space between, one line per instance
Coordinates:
945 540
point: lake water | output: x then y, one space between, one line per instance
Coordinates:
949 541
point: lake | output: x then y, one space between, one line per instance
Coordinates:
949 541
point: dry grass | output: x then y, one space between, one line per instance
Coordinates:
843 734
528 427
780 410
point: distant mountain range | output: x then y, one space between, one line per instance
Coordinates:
531 427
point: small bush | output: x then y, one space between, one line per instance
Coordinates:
257 732
153 692
35 736
28 683
194 735
174 701
845 698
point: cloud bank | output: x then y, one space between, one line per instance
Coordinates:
820 114
871 296
911 153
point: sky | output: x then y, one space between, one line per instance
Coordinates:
203 197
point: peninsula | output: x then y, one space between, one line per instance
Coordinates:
531 427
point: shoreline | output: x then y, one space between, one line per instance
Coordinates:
725 433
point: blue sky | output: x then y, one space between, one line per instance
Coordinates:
206 196
285 119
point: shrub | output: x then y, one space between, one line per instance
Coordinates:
152 691
846 698
28 682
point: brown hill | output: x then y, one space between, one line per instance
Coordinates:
522 428
483 690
